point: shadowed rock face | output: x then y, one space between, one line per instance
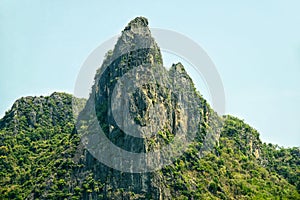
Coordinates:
160 105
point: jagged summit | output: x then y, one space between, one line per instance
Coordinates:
178 67
137 22
136 39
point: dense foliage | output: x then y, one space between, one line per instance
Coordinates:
36 143
37 160
232 171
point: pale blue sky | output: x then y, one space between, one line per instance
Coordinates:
255 47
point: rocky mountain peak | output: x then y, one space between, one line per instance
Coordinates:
137 22
44 153
136 40
178 67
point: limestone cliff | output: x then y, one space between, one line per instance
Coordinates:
47 152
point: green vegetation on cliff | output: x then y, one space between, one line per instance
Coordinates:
37 160
42 157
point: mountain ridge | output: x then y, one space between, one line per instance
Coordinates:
5 192
42 156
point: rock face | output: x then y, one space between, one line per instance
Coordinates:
141 107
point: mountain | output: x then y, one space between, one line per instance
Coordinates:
141 107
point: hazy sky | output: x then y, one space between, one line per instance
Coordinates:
255 47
